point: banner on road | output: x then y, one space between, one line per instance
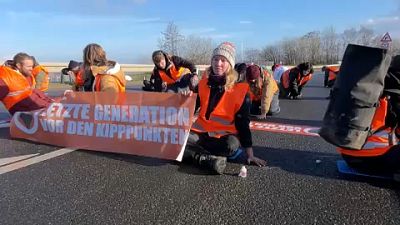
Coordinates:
284 128
141 123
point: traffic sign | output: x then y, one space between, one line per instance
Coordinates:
386 38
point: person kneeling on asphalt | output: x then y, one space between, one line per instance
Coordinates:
294 80
17 86
264 92
223 122
171 74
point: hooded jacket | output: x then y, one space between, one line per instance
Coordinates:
109 78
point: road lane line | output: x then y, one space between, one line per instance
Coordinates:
4 125
34 160
9 160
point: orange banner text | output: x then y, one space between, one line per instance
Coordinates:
139 123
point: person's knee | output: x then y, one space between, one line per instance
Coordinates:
193 138
274 111
232 143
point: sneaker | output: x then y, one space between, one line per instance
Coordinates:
214 163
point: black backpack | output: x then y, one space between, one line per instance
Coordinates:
355 96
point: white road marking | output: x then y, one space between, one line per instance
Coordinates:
4 125
34 160
9 160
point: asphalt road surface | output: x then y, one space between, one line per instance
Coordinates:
85 187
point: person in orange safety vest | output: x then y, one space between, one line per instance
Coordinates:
294 80
222 125
101 74
16 86
264 92
331 73
76 73
171 74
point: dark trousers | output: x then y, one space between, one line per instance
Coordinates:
287 92
182 85
202 143
389 162
274 108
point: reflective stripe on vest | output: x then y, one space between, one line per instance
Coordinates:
175 74
381 140
222 119
18 86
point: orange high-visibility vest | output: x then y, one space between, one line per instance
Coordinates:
274 85
79 80
222 119
45 84
301 80
175 74
332 72
382 138
18 85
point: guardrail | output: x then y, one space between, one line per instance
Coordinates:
56 67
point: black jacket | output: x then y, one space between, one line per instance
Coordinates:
179 62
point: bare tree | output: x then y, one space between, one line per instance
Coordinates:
252 55
171 39
308 47
289 51
365 36
330 46
197 49
272 53
396 46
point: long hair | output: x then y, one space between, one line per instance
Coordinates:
231 76
94 55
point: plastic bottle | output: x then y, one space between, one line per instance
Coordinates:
243 172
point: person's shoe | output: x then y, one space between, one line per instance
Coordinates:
214 163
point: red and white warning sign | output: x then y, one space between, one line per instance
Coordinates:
284 128
386 40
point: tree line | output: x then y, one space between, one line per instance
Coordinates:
318 47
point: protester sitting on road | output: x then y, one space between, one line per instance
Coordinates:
223 122
16 82
41 75
171 74
264 92
330 75
294 80
100 73
76 73
278 70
